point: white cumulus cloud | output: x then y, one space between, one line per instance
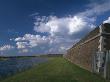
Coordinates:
107 21
30 40
6 47
21 45
60 33
62 26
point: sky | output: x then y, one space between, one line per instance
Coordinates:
33 27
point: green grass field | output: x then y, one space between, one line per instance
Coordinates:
55 70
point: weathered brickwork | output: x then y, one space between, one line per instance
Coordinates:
81 54
93 51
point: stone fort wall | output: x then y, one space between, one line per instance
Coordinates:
83 52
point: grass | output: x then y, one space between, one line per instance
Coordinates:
55 70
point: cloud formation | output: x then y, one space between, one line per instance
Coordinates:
6 47
30 40
57 34
107 21
95 9
62 26
62 33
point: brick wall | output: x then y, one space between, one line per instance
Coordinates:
82 53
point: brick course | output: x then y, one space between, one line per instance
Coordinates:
82 52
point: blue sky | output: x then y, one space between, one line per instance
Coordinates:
29 27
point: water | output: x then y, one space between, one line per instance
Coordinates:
13 65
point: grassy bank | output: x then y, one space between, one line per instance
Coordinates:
56 70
